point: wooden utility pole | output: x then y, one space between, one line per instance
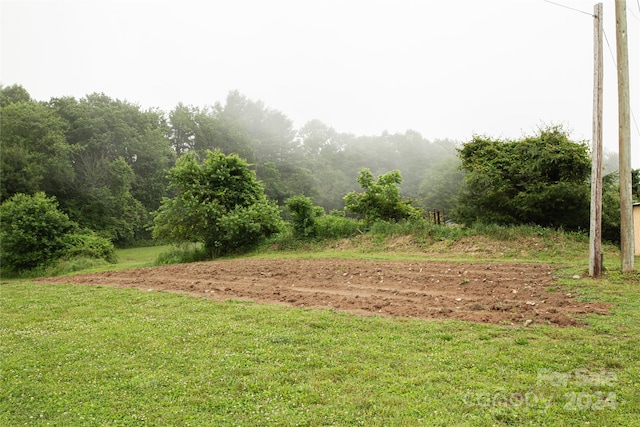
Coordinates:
624 139
595 230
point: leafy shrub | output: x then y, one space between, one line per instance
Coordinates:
183 254
35 234
337 226
540 179
381 198
218 203
89 245
33 231
304 215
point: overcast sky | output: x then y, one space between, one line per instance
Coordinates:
448 69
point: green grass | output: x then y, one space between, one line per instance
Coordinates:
139 257
88 355
76 355
126 258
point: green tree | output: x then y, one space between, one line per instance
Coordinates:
218 203
108 207
12 94
284 180
36 233
120 158
266 138
381 198
317 139
542 179
34 154
183 128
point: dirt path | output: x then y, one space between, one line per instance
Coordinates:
505 293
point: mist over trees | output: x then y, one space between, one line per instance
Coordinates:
106 160
107 164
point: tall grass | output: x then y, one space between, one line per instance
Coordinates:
525 242
427 230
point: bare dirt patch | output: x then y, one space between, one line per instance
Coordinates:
496 292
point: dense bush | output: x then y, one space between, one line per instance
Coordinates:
542 179
87 244
336 225
33 231
183 254
35 234
304 216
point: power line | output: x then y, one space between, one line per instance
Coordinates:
571 8
613 58
633 116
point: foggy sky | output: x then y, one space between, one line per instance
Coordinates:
447 69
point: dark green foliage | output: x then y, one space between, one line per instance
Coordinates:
33 231
304 215
35 234
260 135
108 207
218 203
541 179
34 155
265 137
106 160
381 198
120 158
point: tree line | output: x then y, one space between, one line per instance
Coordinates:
113 169
106 161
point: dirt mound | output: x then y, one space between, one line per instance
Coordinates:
504 293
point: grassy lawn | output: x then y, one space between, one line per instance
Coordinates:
82 355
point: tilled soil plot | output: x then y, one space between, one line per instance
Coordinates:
505 293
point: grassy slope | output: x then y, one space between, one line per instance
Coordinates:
74 355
